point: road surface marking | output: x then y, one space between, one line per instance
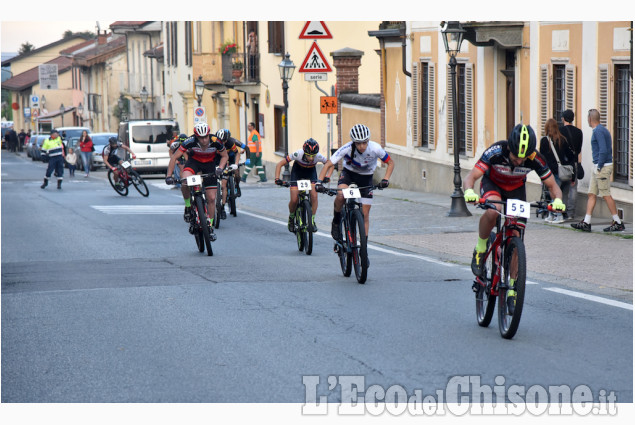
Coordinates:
139 209
592 298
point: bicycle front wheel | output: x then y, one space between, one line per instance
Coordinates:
299 233
484 299
203 224
121 189
345 254
139 184
358 244
307 227
511 292
219 205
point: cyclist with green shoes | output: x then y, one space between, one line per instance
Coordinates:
304 162
504 167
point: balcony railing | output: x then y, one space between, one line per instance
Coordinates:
248 67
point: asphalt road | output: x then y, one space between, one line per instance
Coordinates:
106 299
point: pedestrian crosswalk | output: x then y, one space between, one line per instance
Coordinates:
139 209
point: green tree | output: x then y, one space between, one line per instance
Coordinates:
69 34
26 48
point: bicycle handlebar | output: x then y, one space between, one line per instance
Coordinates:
487 203
332 192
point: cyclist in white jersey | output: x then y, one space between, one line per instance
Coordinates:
359 157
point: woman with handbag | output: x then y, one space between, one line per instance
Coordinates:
561 160
86 150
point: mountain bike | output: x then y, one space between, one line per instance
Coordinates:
505 258
127 176
351 248
302 222
199 221
228 174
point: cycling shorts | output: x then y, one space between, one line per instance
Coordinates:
302 173
195 167
361 180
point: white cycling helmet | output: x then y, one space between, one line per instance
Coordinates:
360 133
223 134
201 129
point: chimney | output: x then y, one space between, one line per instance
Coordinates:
347 62
102 38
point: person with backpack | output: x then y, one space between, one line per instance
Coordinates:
86 149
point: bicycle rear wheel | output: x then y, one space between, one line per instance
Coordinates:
484 299
346 257
120 189
307 227
510 310
138 183
203 224
231 195
358 244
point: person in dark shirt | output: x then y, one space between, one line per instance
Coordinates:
574 136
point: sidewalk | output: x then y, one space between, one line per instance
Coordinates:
417 222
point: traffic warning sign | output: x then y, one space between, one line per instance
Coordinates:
315 29
315 61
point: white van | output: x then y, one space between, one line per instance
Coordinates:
149 139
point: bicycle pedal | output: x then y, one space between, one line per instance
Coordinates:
476 286
336 248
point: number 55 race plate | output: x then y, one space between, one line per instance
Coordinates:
518 208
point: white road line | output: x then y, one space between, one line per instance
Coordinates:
139 209
592 298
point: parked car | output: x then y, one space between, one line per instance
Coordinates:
35 144
100 140
66 133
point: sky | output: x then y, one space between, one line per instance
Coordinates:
14 34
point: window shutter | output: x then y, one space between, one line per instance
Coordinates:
432 107
569 87
544 97
469 109
449 109
603 95
415 104
630 138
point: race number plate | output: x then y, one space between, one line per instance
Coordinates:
304 185
351 192
125 164
194 180
518 208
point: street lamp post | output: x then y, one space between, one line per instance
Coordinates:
80 111
62 111
144 98
199 89
452 37
286 68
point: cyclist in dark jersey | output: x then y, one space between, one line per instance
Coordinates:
109 154
232 146
202 153
504 167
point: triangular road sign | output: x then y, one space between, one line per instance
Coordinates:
314 30
315 61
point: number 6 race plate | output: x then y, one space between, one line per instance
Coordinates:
194 180
351 192
518 208
304 185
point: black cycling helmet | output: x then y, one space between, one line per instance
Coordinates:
112 140
223 134
522 141
311 147
182 137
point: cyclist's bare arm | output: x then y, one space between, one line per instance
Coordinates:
553 187
472 177
173 158
223 158
327 170
279 167
389 168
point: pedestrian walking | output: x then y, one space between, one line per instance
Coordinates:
21 138
12 139
255 154
86 149
574 136
602 151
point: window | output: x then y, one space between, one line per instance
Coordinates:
559 81
621 128
188 43
464 91
276 37
423 102
174 37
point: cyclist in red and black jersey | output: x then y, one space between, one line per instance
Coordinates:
233 148
504 167
202 154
